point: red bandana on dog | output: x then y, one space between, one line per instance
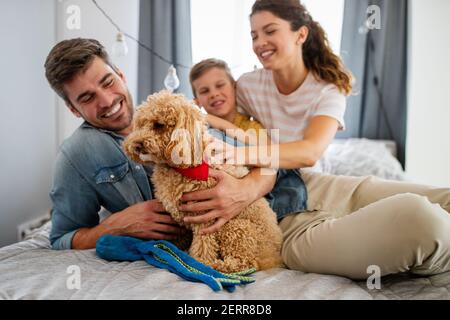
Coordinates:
199 173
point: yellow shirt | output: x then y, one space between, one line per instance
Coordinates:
244 122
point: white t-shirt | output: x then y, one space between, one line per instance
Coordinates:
258 96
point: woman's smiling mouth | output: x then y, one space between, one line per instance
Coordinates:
266 54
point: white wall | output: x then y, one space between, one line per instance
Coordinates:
94 25
428 144
330 15
28 122
34 121
224 36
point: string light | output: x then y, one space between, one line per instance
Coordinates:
119 30
120 49
171 82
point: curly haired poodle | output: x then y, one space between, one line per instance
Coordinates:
171 133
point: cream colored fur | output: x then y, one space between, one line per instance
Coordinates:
252 239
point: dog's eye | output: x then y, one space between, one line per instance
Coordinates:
158 126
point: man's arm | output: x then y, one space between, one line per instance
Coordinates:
75 219
146 220
75 204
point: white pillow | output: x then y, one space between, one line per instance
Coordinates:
361 157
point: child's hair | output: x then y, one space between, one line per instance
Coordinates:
203 66
317 54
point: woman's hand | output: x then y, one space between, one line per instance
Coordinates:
218 152
222 203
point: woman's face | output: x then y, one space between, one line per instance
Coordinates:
215 92
274 43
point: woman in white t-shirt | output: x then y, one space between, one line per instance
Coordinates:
354 226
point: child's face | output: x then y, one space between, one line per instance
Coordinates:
215 92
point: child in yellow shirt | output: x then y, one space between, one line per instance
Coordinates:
214 89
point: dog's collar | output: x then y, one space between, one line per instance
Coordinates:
199 173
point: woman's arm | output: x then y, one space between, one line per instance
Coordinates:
305 153
297 154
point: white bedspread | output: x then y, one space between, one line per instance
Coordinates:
30 270
362 157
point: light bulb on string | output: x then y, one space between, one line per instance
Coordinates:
120 48
171 82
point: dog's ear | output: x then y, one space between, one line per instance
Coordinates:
133 146
196 129
178 151
186 144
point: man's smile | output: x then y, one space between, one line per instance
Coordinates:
114 110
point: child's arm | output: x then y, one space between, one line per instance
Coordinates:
233 131
219 123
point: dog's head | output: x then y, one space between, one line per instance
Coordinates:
169 129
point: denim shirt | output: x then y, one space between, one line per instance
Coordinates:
92 171
289 195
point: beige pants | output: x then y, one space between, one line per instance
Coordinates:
357 222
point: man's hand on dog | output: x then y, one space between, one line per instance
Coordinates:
146 220
222 203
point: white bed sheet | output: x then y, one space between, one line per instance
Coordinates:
31 270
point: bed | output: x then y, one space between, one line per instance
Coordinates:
31 270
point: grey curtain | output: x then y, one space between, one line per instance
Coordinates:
165 27
378 60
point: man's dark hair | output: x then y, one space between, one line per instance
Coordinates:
68 58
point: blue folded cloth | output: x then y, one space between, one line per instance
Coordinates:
165 255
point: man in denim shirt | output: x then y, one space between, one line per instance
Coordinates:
92 170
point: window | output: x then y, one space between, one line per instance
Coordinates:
221 29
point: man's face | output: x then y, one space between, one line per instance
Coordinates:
100 96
